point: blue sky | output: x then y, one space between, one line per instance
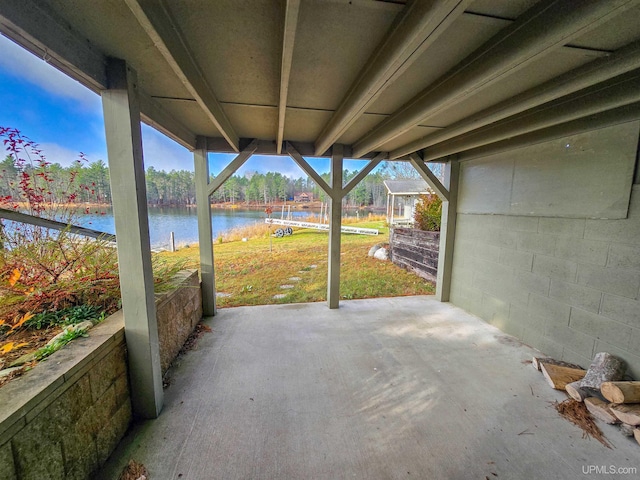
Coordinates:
65 118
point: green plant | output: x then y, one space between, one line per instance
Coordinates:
428 213
68 335
66 316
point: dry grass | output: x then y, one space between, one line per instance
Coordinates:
252 272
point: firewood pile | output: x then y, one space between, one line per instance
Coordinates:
598 392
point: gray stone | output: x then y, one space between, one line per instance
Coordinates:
374 249
286 287
279 296
86 325
222 295
295 279
27 357
7 371
381 254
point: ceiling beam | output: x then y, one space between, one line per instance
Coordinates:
419 25
232 167
156 21
154 115
44 33
617 116
292 10
549 24
587 102
622 61
39 29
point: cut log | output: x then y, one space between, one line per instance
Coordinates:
604 368
558 377
537 361
636 435
621 392
600 410
627 413
575 391
626 430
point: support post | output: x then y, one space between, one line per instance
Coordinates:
447 230
205 236
126 168
335 227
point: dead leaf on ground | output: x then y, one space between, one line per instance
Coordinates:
134 471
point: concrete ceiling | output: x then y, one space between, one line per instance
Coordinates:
391 76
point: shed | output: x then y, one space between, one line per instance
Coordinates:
404 195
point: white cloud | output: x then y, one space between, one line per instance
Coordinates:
162 153
23 64
56 153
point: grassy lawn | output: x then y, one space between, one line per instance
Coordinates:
252 272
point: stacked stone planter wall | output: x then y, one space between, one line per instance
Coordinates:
178 312
63 419
415 250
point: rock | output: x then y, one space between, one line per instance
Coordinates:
86 325
295 279
222 295
381 254
7 371
279 296
26 358
285 287
374 249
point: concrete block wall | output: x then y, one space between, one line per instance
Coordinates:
64 418
567 286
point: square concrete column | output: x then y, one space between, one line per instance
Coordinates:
447 231
128 189
205 235
335 227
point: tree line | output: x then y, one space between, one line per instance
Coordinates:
177 187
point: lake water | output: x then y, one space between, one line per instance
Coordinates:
183 222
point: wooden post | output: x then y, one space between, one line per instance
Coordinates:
172 242
126 168
205 236
447 231
335 227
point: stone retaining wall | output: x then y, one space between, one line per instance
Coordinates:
63 419
415 250
178 312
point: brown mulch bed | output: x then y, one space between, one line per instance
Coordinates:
34 339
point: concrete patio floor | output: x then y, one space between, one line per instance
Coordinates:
379 389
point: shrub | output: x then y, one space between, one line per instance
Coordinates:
428 213
44 270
